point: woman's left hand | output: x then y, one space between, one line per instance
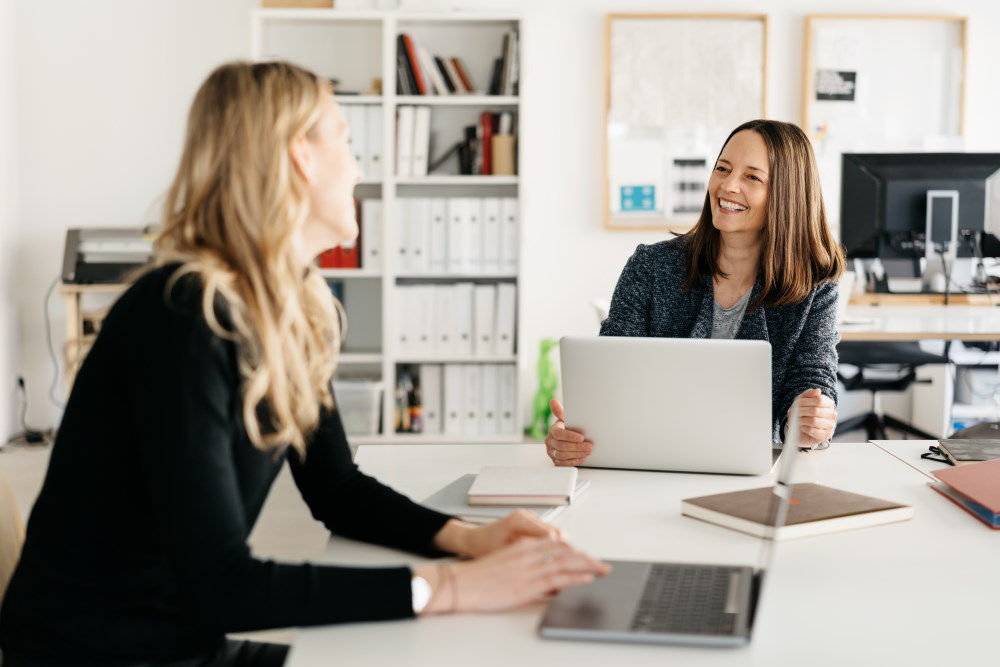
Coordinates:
817 417
471 541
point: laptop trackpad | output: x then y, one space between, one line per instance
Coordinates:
607 604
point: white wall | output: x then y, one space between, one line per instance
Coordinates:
105 84
8 216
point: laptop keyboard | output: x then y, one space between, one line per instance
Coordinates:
686 599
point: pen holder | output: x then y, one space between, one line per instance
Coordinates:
502 148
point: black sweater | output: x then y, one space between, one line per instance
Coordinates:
137 546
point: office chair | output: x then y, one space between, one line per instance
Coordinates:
904 357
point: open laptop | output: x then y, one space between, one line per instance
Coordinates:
673 603
681 404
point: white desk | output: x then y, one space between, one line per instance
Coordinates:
923 322
889 595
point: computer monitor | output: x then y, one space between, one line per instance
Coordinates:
884 202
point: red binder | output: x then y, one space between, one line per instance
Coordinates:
486 121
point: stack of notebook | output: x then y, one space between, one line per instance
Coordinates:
975 488
497 490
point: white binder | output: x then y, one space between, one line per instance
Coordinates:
419 235
463 345
508 400
404 141
425 320
508 232
506 312
439 235
491 235
471 398
473 213
454 388
373 159
456 236
356 119
421 140
406 322
371 234
402 236
489 411
445 340
484 319
431 397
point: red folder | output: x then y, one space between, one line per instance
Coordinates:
486 121
979 482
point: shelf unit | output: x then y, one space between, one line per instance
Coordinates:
469 35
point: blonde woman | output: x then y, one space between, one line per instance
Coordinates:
208 374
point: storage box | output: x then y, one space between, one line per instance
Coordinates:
360 405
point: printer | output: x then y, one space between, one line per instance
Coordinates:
105 255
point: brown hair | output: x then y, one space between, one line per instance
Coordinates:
798 250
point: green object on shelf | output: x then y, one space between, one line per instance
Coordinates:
548 381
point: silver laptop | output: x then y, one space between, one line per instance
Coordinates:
682 404
673 603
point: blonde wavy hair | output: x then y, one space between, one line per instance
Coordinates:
232 217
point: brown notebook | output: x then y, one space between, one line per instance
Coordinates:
814 509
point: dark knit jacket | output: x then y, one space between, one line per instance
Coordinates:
650 300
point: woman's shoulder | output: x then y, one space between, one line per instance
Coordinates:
167 289
668 253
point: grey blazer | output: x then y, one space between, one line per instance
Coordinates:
649 301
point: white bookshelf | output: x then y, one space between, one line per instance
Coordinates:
355 47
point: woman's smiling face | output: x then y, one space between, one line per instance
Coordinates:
739 184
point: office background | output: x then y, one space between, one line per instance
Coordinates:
93 97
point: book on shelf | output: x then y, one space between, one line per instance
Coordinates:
506 72
453 499
814 509
523 485
974 487
962 452
421 72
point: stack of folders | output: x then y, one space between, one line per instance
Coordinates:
365 122
453 499
975 488
457 320
468 399
457 235
413 140
813 510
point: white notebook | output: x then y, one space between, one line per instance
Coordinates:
523 485
452 500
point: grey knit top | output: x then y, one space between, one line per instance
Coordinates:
649 300
726 321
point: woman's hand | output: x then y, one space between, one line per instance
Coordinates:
564 446
471 541
520 573
817 417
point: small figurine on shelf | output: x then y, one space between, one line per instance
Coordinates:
548 381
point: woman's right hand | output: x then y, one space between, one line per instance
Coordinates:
564 446
518 574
